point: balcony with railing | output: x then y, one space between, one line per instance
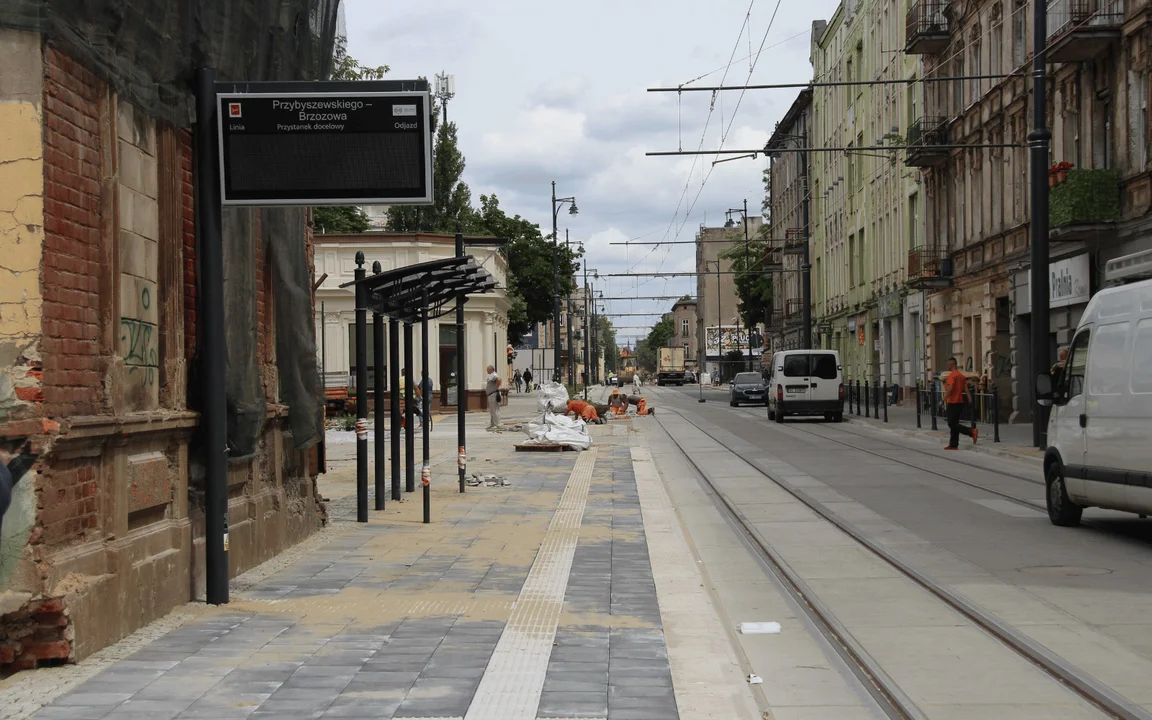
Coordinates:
929 268
773 260
927 137
794 241
926 28
1080 30
794 311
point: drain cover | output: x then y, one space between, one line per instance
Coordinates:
1063 570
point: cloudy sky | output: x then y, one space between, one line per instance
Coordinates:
557 91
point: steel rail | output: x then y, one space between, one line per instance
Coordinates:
1081 683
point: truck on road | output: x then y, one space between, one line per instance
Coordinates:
670 366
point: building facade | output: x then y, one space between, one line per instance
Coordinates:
684 331
485 316
866 204
717 302
975 257
99 332
789 175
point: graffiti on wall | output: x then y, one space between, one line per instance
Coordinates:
139 340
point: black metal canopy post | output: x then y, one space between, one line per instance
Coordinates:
409 434
378 391
1038 147
394 401
461 387
214 404
426 419
361 392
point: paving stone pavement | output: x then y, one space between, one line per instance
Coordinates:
396 619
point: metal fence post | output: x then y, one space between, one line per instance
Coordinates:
885 409
918 425
995 413
867 408
858 400
932 402
876 398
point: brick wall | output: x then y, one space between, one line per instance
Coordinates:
71 329
66 508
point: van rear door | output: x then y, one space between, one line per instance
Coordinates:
1065 431
825 384
796 378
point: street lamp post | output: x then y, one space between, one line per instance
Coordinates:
557 203
568 322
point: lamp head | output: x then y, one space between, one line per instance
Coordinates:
573 210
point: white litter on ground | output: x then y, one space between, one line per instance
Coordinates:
759 628
754 679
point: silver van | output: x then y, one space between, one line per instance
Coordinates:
806 382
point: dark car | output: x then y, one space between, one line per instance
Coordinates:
747 387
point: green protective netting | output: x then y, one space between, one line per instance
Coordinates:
149 50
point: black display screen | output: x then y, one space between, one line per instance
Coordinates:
325 148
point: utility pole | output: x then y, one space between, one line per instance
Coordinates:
749 365
557 203
568 321
1038 147
587 365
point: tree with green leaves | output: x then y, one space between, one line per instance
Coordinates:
753 285
529 257
607 343
659 336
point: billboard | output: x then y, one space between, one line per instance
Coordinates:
720 340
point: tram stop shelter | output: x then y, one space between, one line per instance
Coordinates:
406 296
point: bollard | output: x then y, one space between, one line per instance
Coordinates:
857 397
886 404
867 408
995 413
876 398
918 398
932 404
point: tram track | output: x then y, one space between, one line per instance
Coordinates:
872 676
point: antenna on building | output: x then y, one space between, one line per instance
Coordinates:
445 91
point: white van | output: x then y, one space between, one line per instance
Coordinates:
1098 433
806 382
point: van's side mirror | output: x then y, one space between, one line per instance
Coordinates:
1044 393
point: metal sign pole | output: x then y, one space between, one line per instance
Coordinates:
214 403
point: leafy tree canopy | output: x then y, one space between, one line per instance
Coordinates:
339 219
753 285
659 336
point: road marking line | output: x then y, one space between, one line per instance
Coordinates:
514 678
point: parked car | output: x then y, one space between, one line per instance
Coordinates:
690 377
806 382
746 387
1098 453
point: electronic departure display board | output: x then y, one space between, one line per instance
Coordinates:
325 148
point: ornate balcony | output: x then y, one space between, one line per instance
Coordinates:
929 269
773 261
1080 30
927 137
926 28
